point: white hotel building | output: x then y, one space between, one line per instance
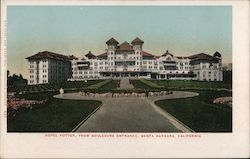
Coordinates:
125 60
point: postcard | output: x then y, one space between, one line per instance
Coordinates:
121 79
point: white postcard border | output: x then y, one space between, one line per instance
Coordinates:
235 144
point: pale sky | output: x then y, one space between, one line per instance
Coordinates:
76 30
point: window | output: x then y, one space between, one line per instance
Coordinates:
204 74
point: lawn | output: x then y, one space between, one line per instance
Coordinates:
151 84
50 87
199 113
111 85
140 85
56 115
98 85
199 85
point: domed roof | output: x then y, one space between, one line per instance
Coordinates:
217 54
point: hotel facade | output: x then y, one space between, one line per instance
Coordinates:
121 61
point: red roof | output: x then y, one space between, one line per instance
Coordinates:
137 41
112 41
47 54
143 53
125 46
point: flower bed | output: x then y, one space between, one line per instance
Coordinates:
14 104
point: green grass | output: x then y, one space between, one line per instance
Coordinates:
98 85
199 113
151 84
138 84
50 87
111 85
199 85
56 115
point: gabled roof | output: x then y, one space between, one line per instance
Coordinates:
167 53
125 46
217 54
48 54
103 54
90 55
112 41
72 57
202 56
143 53
137 41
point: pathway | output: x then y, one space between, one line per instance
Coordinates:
124 84
131 114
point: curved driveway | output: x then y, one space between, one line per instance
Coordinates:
130 114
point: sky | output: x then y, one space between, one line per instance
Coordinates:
182 30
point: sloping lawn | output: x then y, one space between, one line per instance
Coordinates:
151 84
99 84
181 84
69 85
199 113
113 84
140 85
55 115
